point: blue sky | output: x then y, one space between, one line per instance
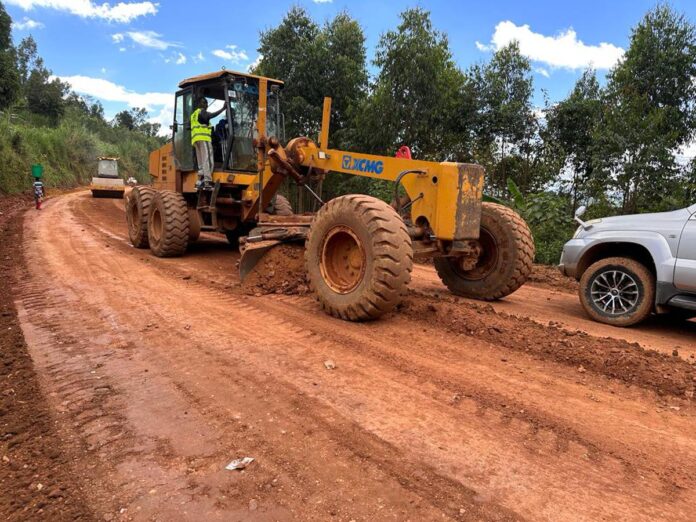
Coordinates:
133 52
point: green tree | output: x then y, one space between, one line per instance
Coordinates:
506 128
315 62
649 112
420 98
570 128
9 79
134 119
28 58
45 95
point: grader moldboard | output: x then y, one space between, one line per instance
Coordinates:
359 250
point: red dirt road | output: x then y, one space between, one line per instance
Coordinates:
158 372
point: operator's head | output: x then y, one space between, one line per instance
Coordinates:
202 103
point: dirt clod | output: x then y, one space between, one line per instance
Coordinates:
280 271
550 277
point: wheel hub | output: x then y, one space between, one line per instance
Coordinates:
342 260
614 292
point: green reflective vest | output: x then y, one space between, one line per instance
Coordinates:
199 132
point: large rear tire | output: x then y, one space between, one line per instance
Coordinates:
138 205
168 226
358 257
505 262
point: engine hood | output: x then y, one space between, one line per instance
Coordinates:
667 224
654 221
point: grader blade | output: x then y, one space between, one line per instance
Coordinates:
252 254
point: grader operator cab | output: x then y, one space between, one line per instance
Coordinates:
359 250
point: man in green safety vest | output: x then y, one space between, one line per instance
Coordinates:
201 139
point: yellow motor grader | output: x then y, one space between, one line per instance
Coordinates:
359 250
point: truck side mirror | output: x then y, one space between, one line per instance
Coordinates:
174 127
578 214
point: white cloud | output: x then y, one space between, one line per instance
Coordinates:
255 63
181 59
27 23
150 39
103 70
322 1
109 91
117 37
164 117
122 12
686 153
122 49
161 104
199 57
542 71
564 50
232 54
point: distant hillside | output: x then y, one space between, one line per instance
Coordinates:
68 150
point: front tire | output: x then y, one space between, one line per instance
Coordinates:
168 226
618 291
358 257
505 263
138 205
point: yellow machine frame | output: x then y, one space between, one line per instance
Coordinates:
446 197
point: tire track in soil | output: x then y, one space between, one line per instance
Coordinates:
37 464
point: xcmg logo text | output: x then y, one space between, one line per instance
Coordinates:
362 165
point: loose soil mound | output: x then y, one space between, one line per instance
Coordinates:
550 277
280 271
35 475
614 358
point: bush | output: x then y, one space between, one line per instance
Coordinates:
549 217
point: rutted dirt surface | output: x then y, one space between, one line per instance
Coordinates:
155 373
35 469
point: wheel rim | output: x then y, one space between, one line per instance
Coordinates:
614 292
342 260
155 226
486 261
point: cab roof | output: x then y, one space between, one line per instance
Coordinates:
223 74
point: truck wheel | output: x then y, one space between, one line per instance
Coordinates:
138 205
168 226
505 262
617 291
358 257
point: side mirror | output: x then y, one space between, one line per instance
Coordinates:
174 127
578 214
